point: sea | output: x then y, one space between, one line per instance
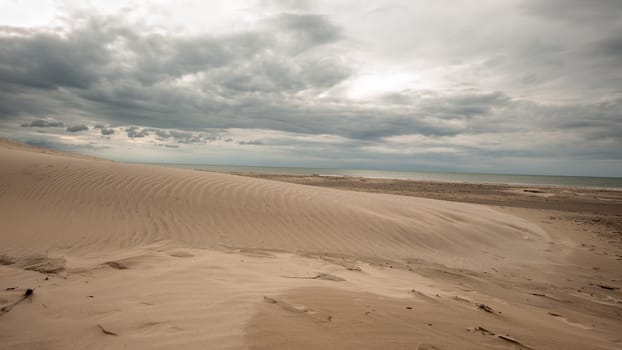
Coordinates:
510 179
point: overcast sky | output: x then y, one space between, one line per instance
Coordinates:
525 86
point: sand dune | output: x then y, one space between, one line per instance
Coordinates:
100 205
137 256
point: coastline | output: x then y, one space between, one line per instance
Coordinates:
595 182
564 198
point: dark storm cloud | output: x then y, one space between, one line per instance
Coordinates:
77 128
106 131
45 60
88 70
176 136
611 47
50 143
307 30
42 123
188 137
136 132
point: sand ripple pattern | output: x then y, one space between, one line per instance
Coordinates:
99 204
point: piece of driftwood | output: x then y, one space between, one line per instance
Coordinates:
514 341
27 294
105 331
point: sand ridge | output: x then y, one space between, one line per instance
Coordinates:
105 205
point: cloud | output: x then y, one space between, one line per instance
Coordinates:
288 5
52 143
42 123
610 47
575 11
48 60
136 132
76 128
306 31
247 79
131 76
251 142
284 79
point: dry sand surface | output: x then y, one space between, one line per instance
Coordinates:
123 256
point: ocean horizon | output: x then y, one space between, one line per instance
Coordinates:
484 178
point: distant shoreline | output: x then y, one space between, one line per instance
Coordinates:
610 183
507 184
550 197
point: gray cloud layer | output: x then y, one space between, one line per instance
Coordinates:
290 71
76 128
42 123
232 78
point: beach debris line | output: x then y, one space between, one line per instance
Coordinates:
27 294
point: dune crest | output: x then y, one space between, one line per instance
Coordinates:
51 201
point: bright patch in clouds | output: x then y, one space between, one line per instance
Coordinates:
27 13
373 85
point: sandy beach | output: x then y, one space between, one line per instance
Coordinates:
124 256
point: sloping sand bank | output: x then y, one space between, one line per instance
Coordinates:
52 202
139 256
